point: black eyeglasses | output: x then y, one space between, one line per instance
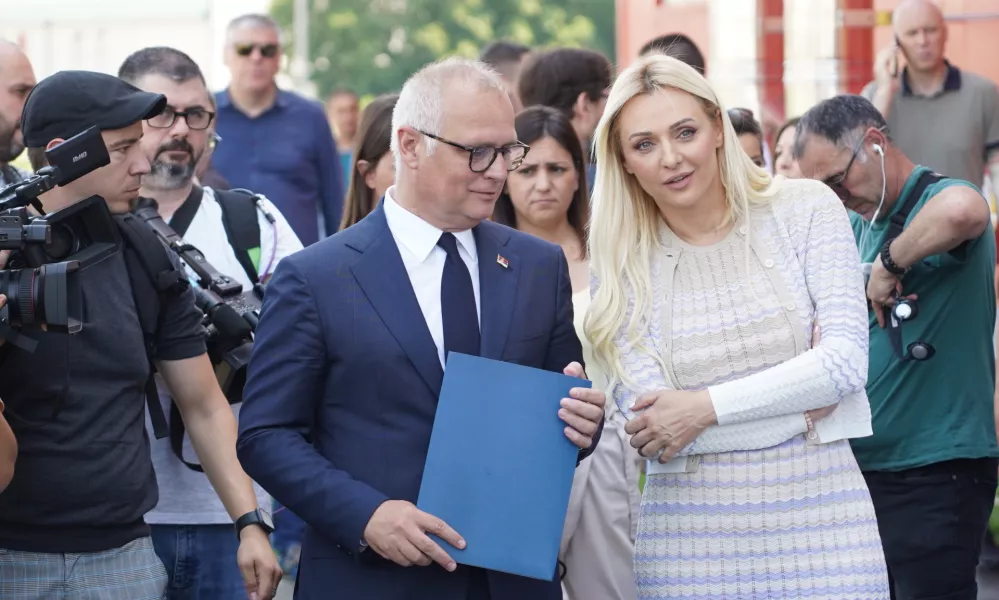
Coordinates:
837 182
480 158
197 118
266 50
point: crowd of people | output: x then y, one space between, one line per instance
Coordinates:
789 326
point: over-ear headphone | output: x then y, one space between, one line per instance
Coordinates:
878 149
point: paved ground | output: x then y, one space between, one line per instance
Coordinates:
287 587
988 585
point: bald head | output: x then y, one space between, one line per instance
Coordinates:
919 9
16 80
921 32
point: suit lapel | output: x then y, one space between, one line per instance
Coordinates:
499 273
382 275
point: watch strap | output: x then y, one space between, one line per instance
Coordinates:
252 518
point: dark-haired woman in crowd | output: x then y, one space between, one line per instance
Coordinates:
784 163
372 169
750 133
547 197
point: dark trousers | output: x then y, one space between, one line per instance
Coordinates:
932 520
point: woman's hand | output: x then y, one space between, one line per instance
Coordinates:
669 421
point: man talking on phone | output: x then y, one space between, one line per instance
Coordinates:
940 116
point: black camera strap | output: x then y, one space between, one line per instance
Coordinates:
895 227
154 279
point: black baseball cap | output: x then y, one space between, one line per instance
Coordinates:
70 102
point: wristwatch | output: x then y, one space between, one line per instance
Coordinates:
887 261
255 517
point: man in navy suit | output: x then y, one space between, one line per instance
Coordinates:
348 362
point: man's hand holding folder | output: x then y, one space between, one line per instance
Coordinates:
398 530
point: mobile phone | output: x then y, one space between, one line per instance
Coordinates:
898 50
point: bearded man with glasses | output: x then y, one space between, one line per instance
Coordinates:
277 143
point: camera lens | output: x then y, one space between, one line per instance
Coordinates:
47 295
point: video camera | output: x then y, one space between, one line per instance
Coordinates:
41 280
231 315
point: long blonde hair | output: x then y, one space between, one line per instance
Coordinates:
624 224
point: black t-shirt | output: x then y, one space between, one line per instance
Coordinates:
84 480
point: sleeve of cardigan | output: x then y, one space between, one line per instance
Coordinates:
752 435
837 365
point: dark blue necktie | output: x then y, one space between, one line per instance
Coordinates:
461 321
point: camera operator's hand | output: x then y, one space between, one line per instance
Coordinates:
8 451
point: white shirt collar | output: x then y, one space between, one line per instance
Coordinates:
418 236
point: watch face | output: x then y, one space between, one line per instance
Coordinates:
265 517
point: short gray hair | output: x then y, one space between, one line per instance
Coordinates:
841 120
254 20
421 101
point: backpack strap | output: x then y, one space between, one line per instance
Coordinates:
182 219
154 280
242 228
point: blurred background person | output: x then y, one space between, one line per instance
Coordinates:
507 58
784 162
343 110
373 169
939 115
750 133
278 143
16 79
547 197
574 81
679 47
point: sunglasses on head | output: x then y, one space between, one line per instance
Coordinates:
266 50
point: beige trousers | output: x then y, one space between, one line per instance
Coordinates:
598 542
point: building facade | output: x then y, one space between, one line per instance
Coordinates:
779 57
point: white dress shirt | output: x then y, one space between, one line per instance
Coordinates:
424 261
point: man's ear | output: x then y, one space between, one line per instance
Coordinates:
409 143
581 106
54 143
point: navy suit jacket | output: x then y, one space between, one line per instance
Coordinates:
342 391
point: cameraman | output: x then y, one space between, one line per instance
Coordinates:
190 526
71 520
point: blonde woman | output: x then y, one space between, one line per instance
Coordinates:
708 277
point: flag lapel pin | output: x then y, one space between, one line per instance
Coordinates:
502 262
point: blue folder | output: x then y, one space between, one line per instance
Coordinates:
499 468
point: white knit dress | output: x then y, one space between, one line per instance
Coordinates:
791 519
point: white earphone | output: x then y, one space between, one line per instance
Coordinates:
884 185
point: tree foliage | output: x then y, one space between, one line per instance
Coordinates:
372 46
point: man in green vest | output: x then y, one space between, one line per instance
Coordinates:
927 245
